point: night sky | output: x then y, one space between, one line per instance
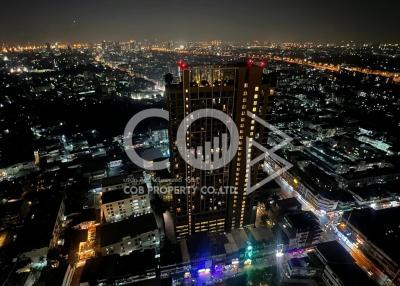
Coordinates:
41 21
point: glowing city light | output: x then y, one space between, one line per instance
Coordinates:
279 250
203 271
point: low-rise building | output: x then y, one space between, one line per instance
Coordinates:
43 228
302 229
339 268
129 235
118 204
302 267
120 270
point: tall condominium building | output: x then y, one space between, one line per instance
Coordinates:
233 90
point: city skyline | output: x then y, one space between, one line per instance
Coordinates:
199 143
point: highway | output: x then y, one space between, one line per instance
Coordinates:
337 68
321 66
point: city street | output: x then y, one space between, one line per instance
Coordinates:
329 224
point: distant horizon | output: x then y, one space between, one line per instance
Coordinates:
182 41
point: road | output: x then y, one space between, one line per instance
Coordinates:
322 66
360 258
211 276
337 68
329 223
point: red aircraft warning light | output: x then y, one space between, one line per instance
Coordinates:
182 64
250 62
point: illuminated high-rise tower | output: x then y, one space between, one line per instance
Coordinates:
233 90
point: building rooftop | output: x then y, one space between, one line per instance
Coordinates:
114 180
261 234
111 233
114 196
340 261
38 228
376 191
240 238
303 262
86 215
150 154
73 237
327 188
204 245
170 254
93 165
112 267
289 204
230 246
303 220
370 173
